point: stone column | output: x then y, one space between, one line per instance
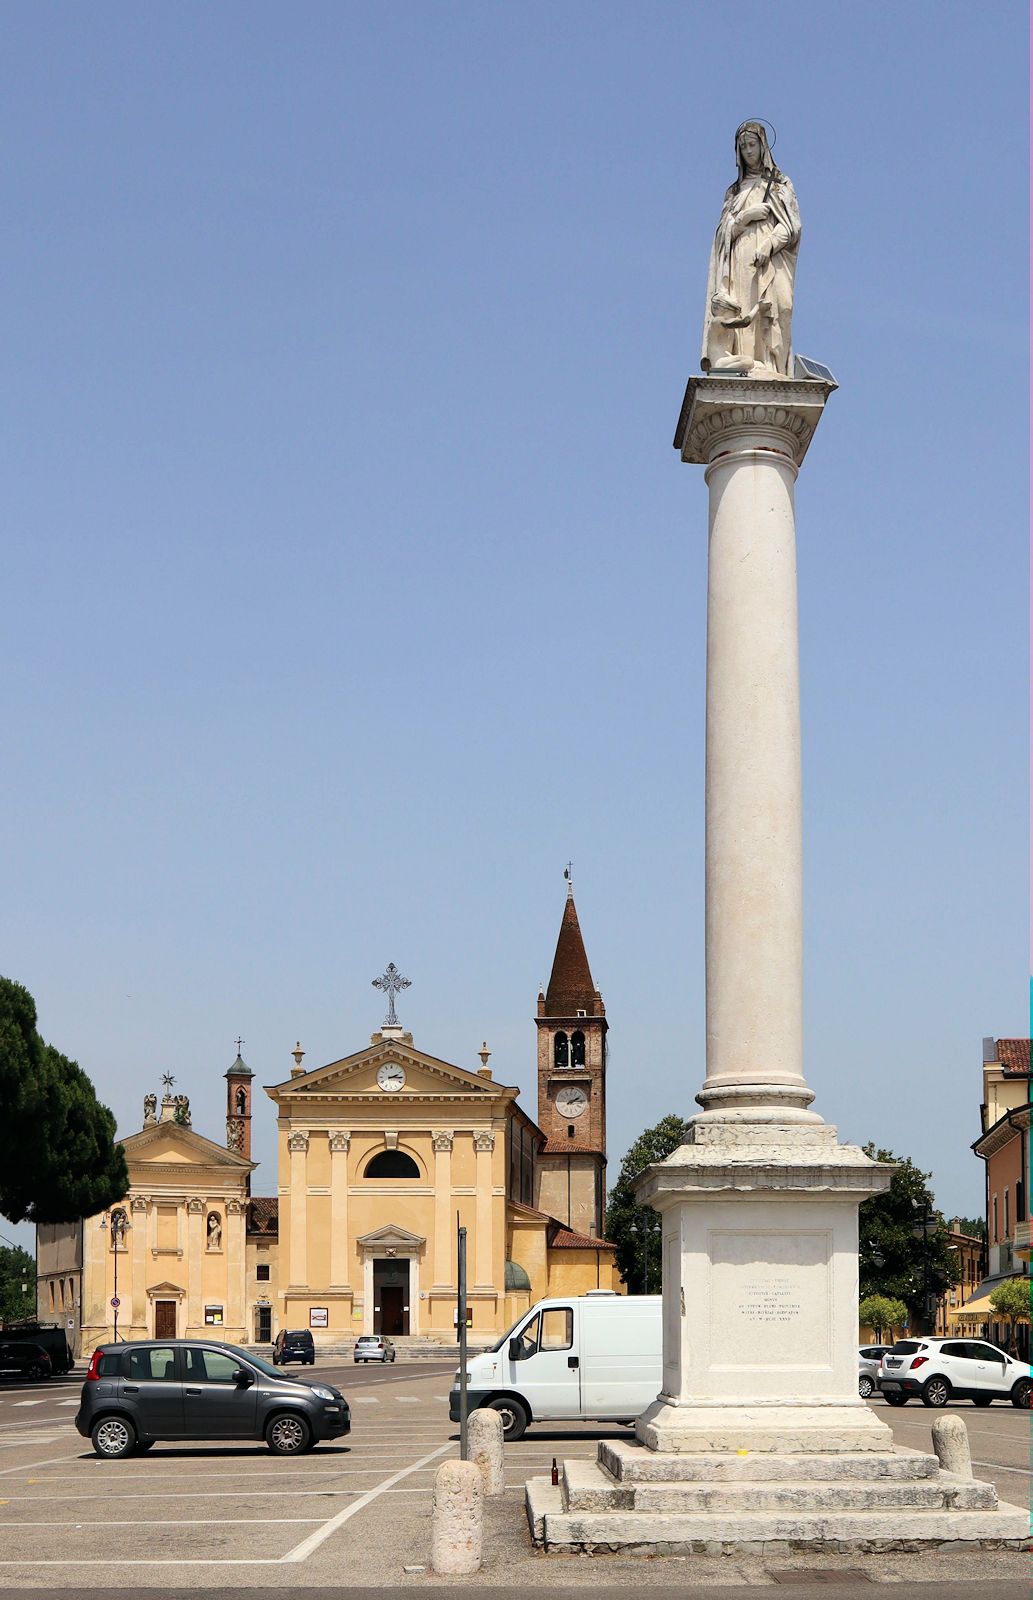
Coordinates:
236 1268
297 1144
139 1219
484 1144
443 1222
195 1264
339 1242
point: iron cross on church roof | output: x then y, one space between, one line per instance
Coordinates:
392 983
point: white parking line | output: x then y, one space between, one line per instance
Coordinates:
68 1402
153 1522
996 1466
30 1466
364 1400
38 1402
302 1551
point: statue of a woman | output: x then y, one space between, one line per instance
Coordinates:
748 320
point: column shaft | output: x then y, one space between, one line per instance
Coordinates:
444 1222
195 1264
340 1245
297 1274
485 1144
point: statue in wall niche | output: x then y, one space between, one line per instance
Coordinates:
214 1231
150 1109
747 324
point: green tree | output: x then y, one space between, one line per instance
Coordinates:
899 1257
975 1227
1011 1303
638 1252
58 1156
16 1268
883 1315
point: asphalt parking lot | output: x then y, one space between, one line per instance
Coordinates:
356 1514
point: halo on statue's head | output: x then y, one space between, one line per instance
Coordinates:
758 123
758 126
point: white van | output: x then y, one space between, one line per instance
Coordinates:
588 1358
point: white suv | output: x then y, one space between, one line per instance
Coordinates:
960 1369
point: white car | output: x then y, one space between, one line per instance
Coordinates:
938 1370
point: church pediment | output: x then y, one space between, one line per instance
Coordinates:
390 1237
356 1076
171 1144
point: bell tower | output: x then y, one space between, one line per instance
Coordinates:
238 1108
572 1025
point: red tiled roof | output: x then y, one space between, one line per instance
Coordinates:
566 1239
263 1214
570 987
1013 1054
566 1147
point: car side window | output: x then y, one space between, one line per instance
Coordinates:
149 1366
528 1339
210 1366
954 1348
557 1328
986 1352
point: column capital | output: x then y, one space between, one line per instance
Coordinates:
297 1142
340 1142
195 1205
716 410
484 1142
139 1202
443 1140
233 1208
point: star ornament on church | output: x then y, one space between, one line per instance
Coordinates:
391 983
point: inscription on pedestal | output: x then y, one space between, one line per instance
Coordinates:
770 1300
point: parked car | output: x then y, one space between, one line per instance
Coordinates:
374 1347
52 1340
19 1359
869 1358
595 1357
136 1394
939 1370
294 1344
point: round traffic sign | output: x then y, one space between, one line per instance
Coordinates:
115 1301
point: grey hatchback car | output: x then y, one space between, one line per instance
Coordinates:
178 1389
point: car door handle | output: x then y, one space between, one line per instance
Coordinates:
130 1388
191 1391
572 1362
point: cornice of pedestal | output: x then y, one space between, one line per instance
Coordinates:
715 410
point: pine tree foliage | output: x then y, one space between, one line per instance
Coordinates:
58 1156
638 1254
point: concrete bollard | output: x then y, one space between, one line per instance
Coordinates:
485 1435
950 1441
457 1518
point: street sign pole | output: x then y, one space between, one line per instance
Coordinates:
461 1319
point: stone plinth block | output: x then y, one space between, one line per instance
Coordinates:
457 1519
486 1448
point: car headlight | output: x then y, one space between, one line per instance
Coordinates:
321 1393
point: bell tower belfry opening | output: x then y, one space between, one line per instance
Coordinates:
572 1025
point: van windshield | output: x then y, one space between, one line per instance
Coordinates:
509 1334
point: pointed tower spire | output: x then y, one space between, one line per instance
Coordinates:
571 989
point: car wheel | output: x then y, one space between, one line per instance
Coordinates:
288 1434
864 1385
1022 1394
896 1399
936 1392
982 1399
514 1418
36 1371
113 1438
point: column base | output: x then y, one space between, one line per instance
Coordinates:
783 1427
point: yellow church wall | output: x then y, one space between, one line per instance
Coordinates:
575 1272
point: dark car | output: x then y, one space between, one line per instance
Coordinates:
48 1338
19 1359
135 1394
294 1344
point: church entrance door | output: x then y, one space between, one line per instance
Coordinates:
391 1297
164 1319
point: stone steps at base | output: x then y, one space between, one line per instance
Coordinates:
631 1463
648 1533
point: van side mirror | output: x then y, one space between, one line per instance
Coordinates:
515 1349
243 1379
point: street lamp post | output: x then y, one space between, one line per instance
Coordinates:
119 1225
647 1233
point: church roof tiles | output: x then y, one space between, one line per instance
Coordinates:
263 1214
570 986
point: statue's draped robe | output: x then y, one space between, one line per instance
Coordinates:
734 276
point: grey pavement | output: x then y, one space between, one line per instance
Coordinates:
349 1518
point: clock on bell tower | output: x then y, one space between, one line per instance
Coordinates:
571 1024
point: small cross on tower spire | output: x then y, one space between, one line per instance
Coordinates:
568 873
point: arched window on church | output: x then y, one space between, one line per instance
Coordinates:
391 1164
560 1051
577 1049
241 1102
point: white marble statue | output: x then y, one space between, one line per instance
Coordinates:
748 319
214 1231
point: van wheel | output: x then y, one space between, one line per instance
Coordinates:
113 1438
514 1418
288 1434
1022 1394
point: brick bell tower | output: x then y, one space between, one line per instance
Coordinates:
238 1108
571 1024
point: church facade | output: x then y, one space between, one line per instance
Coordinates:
382 1155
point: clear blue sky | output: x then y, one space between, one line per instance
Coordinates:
351 583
